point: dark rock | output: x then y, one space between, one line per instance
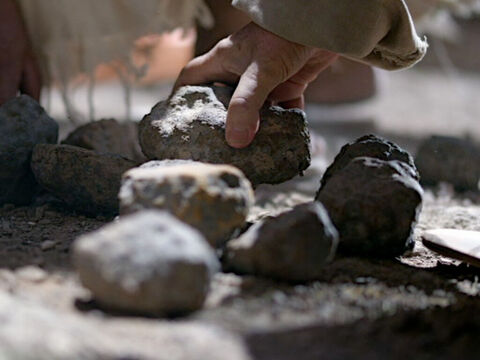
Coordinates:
293 246
215 199
108 136
369 146
87 181
148 262
448 159
191 125
23 124
375 205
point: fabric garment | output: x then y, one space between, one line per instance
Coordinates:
377 32
72 37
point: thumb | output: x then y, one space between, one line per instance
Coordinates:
243 117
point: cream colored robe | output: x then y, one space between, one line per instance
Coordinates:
74 36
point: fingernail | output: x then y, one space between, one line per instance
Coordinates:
238 137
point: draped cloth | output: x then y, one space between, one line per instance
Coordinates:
72 37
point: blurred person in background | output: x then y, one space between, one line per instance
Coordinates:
277 48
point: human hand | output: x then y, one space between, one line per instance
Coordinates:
18 69
265 66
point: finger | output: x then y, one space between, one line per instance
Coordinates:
287 91
205 69
298 103
243 113
31 83
295 86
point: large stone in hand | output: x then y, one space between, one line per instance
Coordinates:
191 125
23 124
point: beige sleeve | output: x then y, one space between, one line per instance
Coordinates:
377 32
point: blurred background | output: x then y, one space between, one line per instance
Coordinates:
438 96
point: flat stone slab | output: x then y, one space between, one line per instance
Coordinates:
191 125
463 245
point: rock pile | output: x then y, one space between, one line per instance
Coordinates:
293 246
191 125
108 136
23 124
87 181
147 263
215 199
448 159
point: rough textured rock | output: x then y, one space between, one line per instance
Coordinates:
451 160
23 124
33 331
375 205
191 125
293 246
164 163
147 262
87 181
108 136
215 199
369 146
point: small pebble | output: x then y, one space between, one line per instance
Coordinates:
31 273
47 245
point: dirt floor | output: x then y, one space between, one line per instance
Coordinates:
421 305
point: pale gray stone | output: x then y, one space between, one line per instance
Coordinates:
148 262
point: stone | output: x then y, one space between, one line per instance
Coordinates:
370 146
33 331
146 263
85 180
108 136
374 204
293 246
463 245
23 124
451 160
191 125
214 199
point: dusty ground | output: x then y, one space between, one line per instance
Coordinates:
421 303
